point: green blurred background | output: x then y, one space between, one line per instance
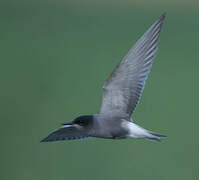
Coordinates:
54 59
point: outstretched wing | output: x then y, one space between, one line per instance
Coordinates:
65 133
122 90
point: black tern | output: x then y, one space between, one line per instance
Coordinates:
121 94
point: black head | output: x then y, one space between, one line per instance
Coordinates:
83 120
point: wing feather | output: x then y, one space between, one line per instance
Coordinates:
123 89
65 133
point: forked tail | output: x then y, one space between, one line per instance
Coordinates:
155 136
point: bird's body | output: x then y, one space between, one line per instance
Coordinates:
109 127
121 94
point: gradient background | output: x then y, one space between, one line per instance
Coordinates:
54 59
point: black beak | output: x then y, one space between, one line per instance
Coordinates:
69 123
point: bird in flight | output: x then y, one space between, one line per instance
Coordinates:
121 94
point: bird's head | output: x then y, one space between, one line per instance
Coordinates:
81 122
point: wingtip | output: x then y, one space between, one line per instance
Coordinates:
162 17
43 140
160 21
46 139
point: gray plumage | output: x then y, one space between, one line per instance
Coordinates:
124 87
121 94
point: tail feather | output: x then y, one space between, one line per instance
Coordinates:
158 135
155 136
